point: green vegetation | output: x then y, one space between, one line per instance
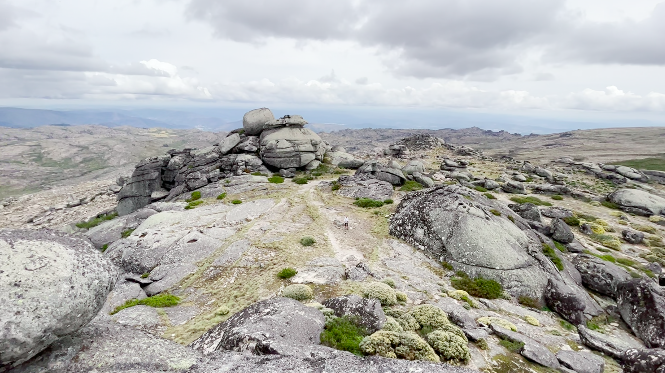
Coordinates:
447 265
368 203
145 275
257 173
529 199
276 179
626 262
495 212
236 201
560 247
127 233
606 257
657 164
298 292
606 240
557 197
307 241
97 221
158 301
287 273
336 185
342 333
511 346
193 204
528 301
489 196
381 292
566 325
480 189
549 252
645 228
300 180
477 287
389 281
194 196
573 221
610 205
106 246
222 196
410 186
510 217
450 346
388 201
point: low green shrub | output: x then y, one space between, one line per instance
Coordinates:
127 233
528 301
336 185
381 292
307 241
96 221
257 173
388 201
480 189
450 346
447 265
607 240
566 325
287 273
549 252
410 186
626 262
341 333
573 221
645 228
478 287
196 195
145 275
403 345
530 199
389 281
300 180
222 196
511 346
368 203
560 247
276 179
236 201
106 246
610 205
489 196
193 204
158 301
298 292
495 212
557 197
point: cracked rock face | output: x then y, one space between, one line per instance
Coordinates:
457 225
51 285
289 147
641 303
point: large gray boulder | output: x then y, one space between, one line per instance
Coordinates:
581 362
638 202
272 326
413 166
253 122
528 211
600 275
290 147
605 343
367 312
457 225
343 159
641 304
564 300
229 143
363 187
514 187
643 360
561 231
51 285
383 172
631 236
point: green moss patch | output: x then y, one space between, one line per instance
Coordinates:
307 241
222 196
551 254
411 186
368 203
341 333
529 199
286 273
276 179
477 287
158 301
96 221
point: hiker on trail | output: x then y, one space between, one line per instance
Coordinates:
346 222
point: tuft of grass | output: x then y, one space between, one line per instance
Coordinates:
368 203
593 325
557 197
626 262
300 180
97 221
276 179
257 173
645 228
560 247
157 301
307 241
607 240
566 325
529 199
477 287
610 205
286 273
447 265
341 333
236 201
388 201
511 346
657 164
194 196
145 275
573 221
528 301
222 196
480 189
549 252
127 233
106 246
495 212
336 185
489 196
193 204
410 186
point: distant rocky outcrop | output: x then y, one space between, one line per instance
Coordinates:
51 285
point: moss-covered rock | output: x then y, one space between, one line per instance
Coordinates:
450 346
298 292
497 321
404 345
380 291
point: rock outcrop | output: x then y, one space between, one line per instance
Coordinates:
641 303
51 285
290 147
383 172
638 202
367 312
600 275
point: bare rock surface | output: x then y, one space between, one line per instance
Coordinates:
51 285
641 303
581 362
367 311
638 202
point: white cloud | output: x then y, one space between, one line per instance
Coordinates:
614 99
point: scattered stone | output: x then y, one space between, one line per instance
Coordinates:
320 271
253 122
632 237
513 187
561 231
361 186
556 212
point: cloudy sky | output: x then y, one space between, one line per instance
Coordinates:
582 60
